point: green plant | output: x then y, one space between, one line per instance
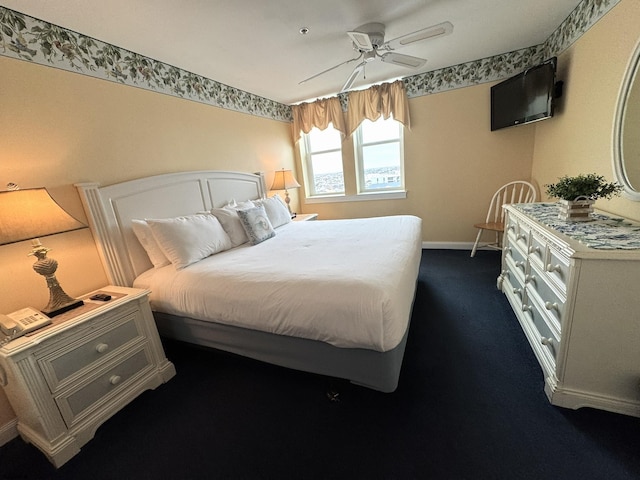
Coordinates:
590 185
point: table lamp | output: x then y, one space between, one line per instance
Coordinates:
283 180
27 215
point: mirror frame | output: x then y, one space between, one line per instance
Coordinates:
631 73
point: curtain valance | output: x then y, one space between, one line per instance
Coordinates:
385 99
317 114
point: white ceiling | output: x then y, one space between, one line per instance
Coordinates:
255 45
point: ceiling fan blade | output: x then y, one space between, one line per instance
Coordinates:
402 60
361 40
352 78
433 31
329 69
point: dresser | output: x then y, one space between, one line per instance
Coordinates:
575 289
66 379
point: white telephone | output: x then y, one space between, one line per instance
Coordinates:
22 321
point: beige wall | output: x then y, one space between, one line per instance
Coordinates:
579 138
60 128
453 165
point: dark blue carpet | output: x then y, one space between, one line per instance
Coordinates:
470 405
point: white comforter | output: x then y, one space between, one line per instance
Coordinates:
349 283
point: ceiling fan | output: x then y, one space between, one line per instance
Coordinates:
368 40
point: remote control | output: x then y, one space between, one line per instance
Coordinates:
103 297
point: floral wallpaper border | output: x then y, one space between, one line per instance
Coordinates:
490 69
27 38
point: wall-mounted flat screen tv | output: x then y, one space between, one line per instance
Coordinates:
524 98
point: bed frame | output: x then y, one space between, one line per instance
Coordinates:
110 210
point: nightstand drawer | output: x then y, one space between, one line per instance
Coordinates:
87 352
106 384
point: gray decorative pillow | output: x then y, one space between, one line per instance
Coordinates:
256 224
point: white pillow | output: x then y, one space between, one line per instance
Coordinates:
148 242
228 218
188 239
239 206
277 210
256 224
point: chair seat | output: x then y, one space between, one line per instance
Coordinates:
517 191
494 226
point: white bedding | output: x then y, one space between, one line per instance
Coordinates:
349 283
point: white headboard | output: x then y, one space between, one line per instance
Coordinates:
110 210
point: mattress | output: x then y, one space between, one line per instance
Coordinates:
349 283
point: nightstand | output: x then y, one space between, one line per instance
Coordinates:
66 379
305 217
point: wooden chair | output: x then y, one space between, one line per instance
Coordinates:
513 192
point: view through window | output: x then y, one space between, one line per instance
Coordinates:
378 147
324 161
378 152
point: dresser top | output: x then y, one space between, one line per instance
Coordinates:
604 232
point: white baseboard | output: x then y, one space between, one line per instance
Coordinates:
8 431
447 245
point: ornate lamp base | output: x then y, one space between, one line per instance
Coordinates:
59 301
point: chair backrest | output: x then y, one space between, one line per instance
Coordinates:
513 192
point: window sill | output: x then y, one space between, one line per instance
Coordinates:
361 197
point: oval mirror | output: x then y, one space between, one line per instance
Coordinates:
626 141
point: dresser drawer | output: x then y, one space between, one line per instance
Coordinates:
516 259
557 268
85 353
551 300
538 250
512 287
544 333
103 386
523 237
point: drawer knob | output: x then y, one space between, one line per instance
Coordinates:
115 379
547 341
511 227
102 347
517 291
520 264
521 236
553 268
526 308
534 249
551 306
530 279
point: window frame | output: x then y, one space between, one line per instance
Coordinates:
358 147
307 165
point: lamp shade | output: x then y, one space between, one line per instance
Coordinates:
283 180
32 213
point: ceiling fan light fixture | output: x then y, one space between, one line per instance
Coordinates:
361 41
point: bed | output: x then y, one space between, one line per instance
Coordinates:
330 297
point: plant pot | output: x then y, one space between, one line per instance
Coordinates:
578 210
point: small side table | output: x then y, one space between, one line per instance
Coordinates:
305 217
68 378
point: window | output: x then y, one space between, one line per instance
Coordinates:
379 156
321 152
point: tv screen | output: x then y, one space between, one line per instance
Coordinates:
525 98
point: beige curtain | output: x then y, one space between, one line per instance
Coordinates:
317 114
385 99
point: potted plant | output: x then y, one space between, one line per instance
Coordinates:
578 194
